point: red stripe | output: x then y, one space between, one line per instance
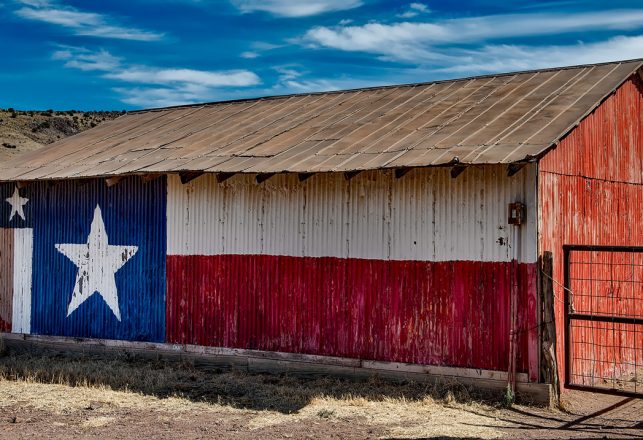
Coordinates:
441 313
6 278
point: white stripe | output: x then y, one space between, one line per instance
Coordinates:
22 269
426 216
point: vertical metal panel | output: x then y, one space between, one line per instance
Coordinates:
22 276
416 269
591 186
133 214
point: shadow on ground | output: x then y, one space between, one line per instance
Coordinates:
168 378
594 416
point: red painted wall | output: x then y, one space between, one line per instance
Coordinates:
440 313
591 188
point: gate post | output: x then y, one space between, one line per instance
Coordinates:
549 366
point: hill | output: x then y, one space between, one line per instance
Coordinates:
22 131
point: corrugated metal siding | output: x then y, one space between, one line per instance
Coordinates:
591 187
6 278
408 270
440 313
22 280
427 215
133 213
490 119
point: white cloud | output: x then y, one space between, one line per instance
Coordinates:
83 59
156 86
249 54
424 42
149 97
294 78
287 73
295 8
155 75
81 22
263 45
420 7
414 10
505 58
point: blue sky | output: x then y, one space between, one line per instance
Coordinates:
119 54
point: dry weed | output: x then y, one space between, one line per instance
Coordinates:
61 385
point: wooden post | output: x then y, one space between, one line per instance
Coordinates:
549 366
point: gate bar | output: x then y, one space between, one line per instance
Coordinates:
603 318
590 247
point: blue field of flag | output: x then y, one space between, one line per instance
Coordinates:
99 259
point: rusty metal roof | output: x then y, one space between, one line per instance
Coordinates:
489 119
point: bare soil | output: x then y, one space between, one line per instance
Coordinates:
23 131
51 396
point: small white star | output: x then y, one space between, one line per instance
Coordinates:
17 204
97 263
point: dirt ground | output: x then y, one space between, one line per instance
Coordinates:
50 396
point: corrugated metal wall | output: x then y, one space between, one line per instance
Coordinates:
591 190
415 270
16 249
427 216
63 215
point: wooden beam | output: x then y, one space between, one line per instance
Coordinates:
457 170
150 177
189 176
262 177
401 172
111 181
513 168
222 177
348 175
305 176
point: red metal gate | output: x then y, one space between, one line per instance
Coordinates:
604 319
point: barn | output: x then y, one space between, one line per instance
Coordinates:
487 229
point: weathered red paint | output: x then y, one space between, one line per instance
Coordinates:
591 188
440 313
6 279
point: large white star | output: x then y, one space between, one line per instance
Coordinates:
17 204
97 263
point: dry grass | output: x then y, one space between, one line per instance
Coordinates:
61 385
163 379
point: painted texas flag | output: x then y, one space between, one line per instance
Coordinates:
98 258
16 250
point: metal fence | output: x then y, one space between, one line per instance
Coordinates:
604 318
